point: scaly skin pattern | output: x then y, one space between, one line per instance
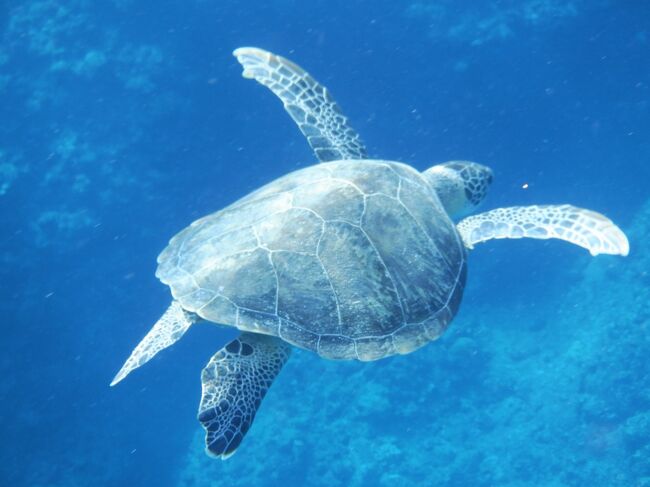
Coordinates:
234 383
308 103
586 228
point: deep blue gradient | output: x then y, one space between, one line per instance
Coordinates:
124 121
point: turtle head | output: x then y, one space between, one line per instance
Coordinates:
460 185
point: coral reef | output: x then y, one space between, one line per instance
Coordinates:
9 172
492 21
60 56
73 163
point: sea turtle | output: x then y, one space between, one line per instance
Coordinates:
351 258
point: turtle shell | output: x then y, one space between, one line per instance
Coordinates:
352 259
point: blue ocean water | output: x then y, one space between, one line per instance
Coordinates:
124 121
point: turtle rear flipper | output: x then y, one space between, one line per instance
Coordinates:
171 326
586 228
233 385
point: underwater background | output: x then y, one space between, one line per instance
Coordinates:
124 120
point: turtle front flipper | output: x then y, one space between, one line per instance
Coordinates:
586 228
168 330
233 385
308 103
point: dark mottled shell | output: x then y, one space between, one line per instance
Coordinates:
350 259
